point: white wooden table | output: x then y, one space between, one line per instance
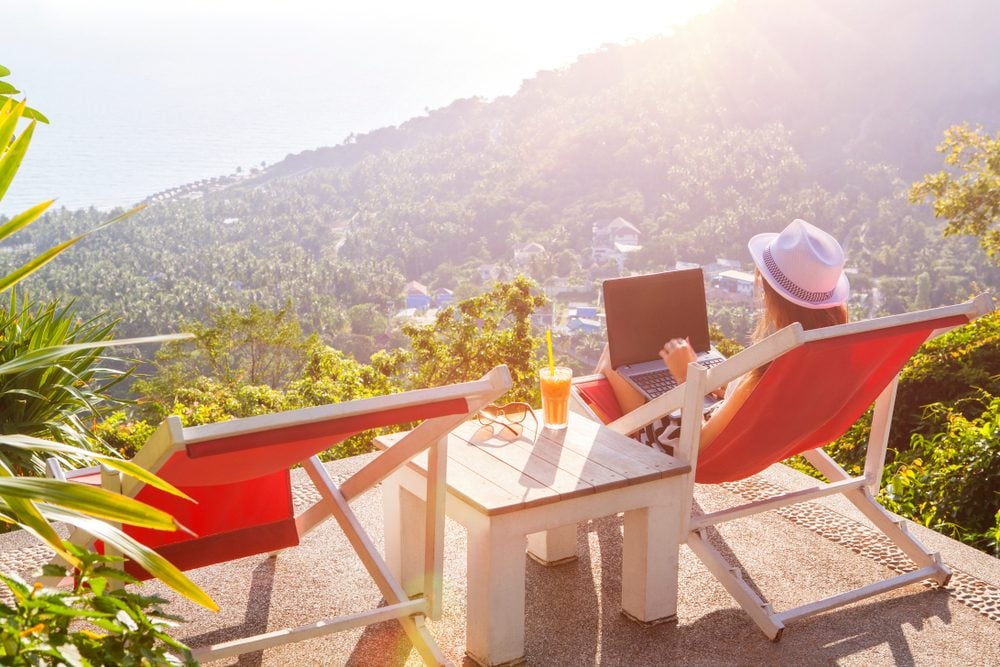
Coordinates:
529 493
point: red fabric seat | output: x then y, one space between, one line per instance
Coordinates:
809 397
785 415
241 485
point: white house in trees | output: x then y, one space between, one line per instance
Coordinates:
614 240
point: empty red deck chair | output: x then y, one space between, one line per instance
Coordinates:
817 384
238 471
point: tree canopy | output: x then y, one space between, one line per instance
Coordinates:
968 197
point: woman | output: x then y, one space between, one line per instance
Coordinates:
800 273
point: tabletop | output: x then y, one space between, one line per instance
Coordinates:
496 472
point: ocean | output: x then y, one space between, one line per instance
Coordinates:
147 96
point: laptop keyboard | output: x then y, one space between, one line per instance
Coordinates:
661 381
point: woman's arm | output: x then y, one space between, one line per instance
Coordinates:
677 354
730 406
628 396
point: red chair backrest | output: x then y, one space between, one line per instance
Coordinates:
242 487
810 396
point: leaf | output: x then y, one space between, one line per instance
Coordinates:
16 584
35 114
23 219
7 89
93 501
98 584
10 113
145 557
126 619
45 356
11 158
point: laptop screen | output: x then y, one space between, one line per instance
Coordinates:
644 312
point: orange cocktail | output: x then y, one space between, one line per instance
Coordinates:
555 396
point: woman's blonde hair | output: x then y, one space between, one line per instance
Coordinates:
778 312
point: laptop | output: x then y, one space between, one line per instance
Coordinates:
643 313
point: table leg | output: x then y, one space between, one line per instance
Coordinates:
553 547
649 564
403 514
495 623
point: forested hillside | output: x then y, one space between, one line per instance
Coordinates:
754 114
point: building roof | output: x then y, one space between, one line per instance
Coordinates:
532 247
413 287
620 224
741 276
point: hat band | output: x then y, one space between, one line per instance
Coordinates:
788 285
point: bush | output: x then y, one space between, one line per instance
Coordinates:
948 482
947 370
98 622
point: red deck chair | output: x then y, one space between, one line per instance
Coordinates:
238 471
817 385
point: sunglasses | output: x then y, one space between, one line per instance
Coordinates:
507 416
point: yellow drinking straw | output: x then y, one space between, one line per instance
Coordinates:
552 363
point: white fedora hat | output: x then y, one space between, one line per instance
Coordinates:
803 263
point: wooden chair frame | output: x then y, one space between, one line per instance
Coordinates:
860 491
430 435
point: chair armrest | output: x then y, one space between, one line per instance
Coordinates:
648 413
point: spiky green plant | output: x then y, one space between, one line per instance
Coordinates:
59 400
34 504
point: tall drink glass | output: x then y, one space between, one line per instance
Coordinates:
555 395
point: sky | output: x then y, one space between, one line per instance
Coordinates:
151 94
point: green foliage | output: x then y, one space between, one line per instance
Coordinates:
256 347
98 622
323 376
469 338
970 198
726 345
948 370
122 434
948 481
52 400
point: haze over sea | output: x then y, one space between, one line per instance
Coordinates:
150 95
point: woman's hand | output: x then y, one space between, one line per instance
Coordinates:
677 354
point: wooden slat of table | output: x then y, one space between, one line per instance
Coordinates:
569 460
535 458
502 474
634 461
534 480
479 479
